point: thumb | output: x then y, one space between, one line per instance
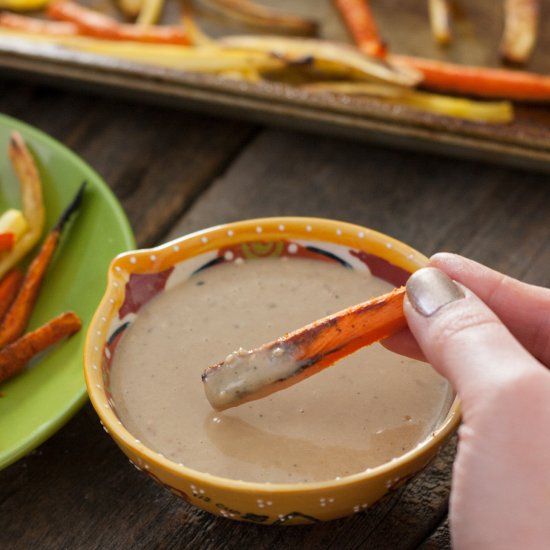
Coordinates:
461 337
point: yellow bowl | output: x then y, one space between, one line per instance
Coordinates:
282 504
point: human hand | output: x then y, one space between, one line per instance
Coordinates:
489 335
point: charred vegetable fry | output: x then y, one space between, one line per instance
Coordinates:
359 19
248 375
490 112
15 356
440 20
17 317
332 57
478 81
93 23
9 287
262 16
520 29
32 202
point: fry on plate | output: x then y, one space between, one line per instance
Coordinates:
32 203
16 355
15 321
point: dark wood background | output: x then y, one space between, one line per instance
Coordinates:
177 171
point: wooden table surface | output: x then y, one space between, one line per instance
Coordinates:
177 171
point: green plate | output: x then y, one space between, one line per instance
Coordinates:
37 402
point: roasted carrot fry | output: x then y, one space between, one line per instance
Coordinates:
9 287
520 29
17 317
359 20
262 16
37 26
32 202
249 375
478 81
93 23
15 356
440 20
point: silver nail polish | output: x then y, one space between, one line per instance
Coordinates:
429 289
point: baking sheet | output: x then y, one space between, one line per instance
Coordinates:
404 24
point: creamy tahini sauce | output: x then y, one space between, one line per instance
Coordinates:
363 411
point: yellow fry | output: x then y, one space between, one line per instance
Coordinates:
150 12
333 57
520 29
22 5
491 112
440 20
31 200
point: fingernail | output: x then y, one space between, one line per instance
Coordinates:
429 289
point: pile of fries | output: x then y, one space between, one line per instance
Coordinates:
20 231
319 66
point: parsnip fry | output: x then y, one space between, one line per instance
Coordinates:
490 112
22 5
262 16
9 287
17 317
15 356
31 199
520 29
440 20
130 8
196 35
150 12
333 57
249 375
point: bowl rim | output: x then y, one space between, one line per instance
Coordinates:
248 230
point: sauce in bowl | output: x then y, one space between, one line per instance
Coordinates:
367 409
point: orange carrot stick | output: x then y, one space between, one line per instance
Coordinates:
37 26
93 23
14 357
478 81
9 287
359 20
520 29
17 317
248 375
